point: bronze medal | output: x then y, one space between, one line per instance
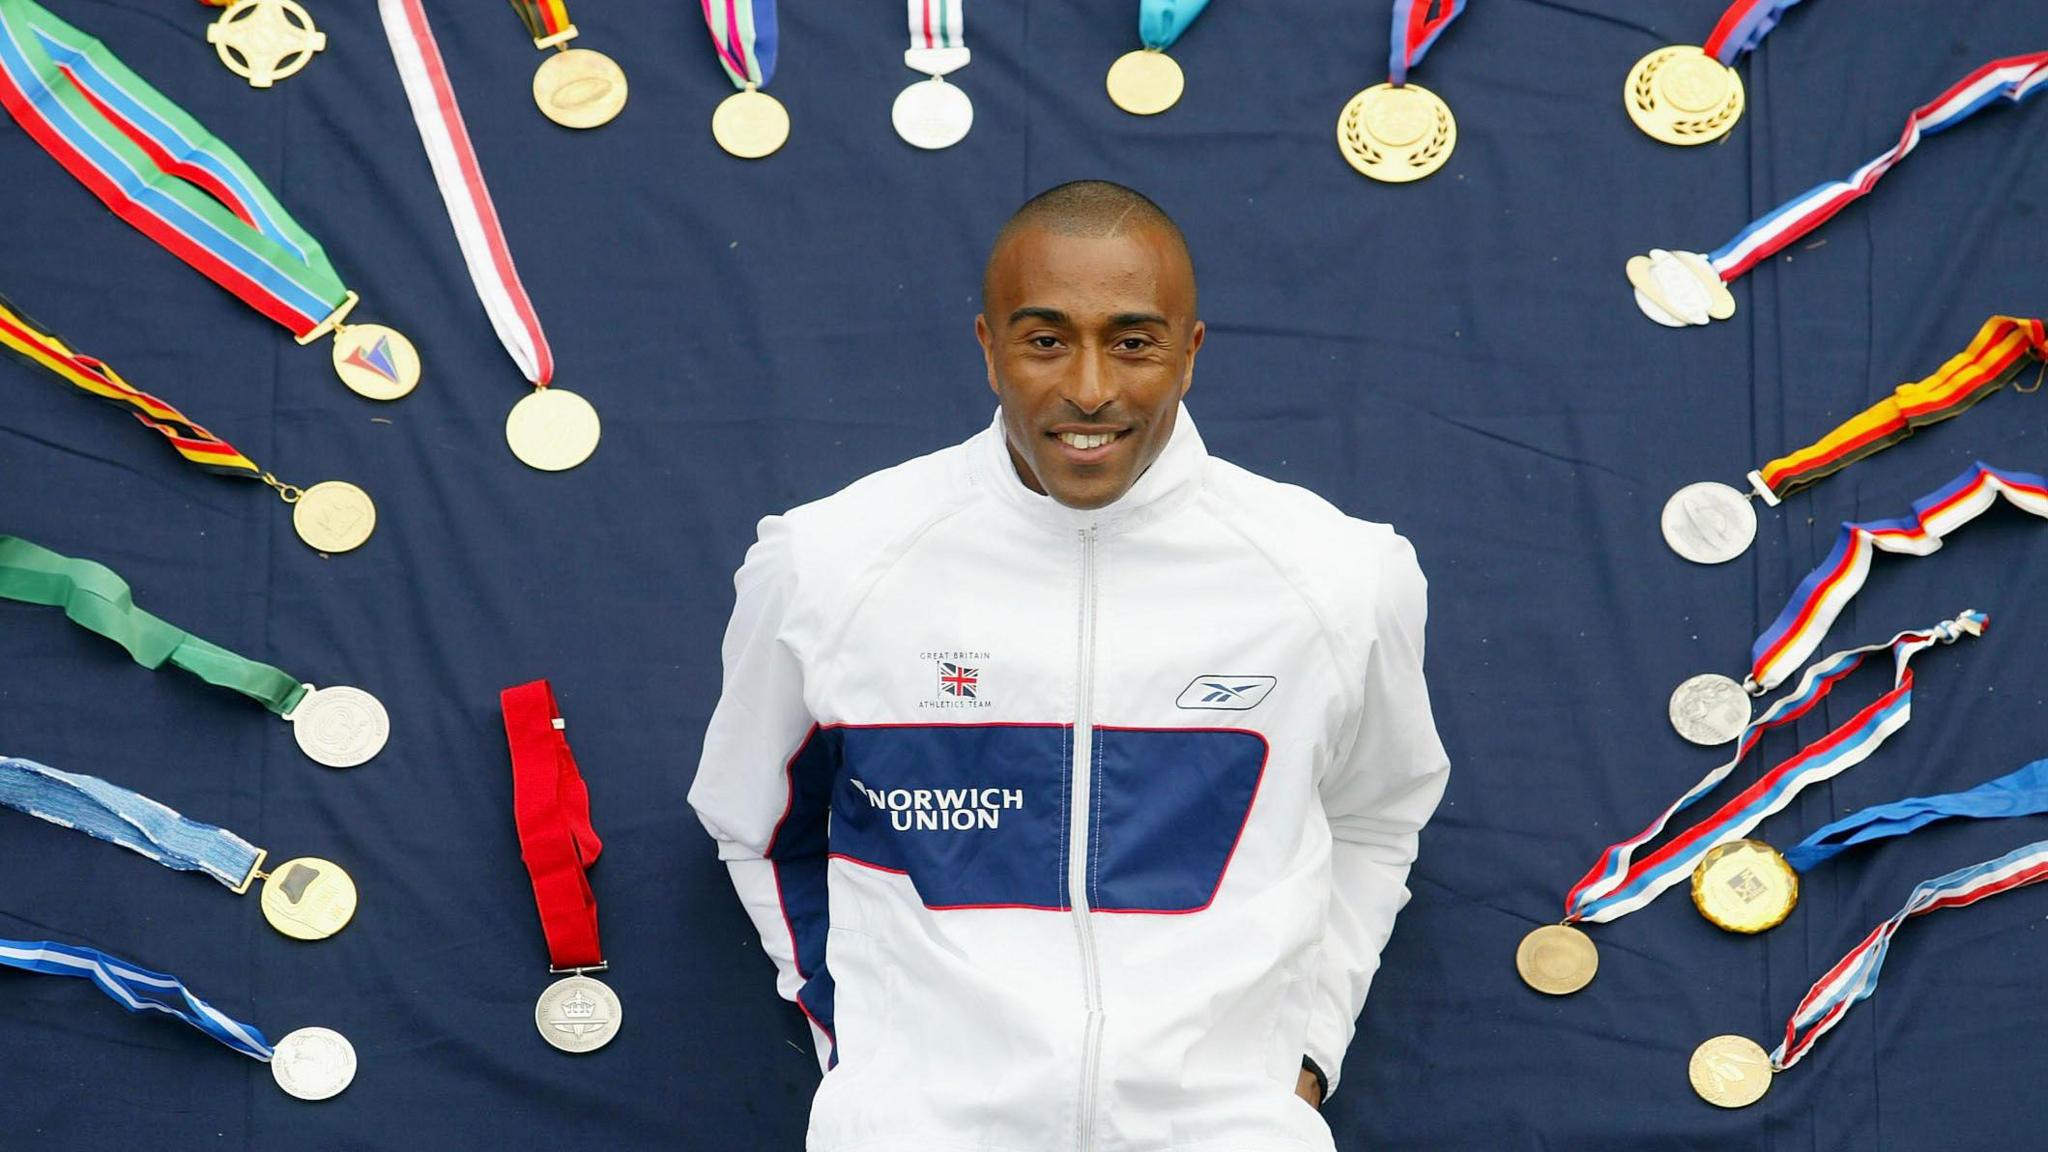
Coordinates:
1557 959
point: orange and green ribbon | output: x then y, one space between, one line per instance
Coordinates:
547 21
44 349
2004 346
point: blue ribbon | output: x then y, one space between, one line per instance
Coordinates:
2021 793
1161 22
134 821
136 989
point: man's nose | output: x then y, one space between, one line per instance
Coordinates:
1091 387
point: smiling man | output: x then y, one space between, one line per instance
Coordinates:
1071 775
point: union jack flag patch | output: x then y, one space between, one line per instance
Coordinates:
958 681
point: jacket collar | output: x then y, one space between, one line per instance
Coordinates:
1174 477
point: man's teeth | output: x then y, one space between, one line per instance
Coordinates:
1084 441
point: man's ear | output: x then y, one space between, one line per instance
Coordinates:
988 352
1195 338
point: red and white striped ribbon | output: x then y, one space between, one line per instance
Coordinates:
468 198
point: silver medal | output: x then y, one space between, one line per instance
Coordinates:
578 1014
314 1063
1709 523
933 114
340 727
1710 709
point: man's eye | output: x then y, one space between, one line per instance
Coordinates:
1132 343
1045 342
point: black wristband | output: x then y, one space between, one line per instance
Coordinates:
1309 1066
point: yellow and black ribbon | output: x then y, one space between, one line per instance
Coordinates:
44 349
547 21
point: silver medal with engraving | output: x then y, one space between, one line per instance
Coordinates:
1710 709
340 727
578 1014
933 114
1709 523
314 1063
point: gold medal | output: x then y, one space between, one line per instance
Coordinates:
373 360
333 516
1730 1071
264 41
552 429
1396 134
750 124
1681 95
1557 959
1145 82
579 88
308 898
1745 886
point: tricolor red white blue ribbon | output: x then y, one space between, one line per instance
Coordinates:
744 33
135 988
1827 589
463 190
1417 25
1618 884
2012 79
1743 26
1854 976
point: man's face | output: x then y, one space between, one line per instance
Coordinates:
1091 343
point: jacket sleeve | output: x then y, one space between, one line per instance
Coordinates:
1377 796
763 786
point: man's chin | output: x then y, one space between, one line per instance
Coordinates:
1086 496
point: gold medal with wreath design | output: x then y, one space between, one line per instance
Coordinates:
1681 95
1396 134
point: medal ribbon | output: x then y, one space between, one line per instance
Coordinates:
940 24
2020 793
1618 884
1161 22
112 813
1417 24
159 169
44 349
2002 347
135 988
463 190
99 601
546 20
1743 26
552 808
744 33
2012 79
1828 589
1854 977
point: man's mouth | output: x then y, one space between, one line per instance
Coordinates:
1087 440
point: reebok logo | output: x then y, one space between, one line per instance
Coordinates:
1225 693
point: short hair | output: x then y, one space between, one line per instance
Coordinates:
1086 208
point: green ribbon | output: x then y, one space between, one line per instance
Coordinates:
100 601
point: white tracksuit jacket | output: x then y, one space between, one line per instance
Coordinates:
1072 830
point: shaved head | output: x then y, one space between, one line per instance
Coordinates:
1087 208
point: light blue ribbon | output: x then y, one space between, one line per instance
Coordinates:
130 819
2021 793
1161 22
136 989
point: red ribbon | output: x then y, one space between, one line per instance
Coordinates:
556 840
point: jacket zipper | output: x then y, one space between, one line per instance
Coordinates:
1078 830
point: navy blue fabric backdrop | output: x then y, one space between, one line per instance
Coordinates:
1458 357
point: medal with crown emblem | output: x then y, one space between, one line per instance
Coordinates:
577 1014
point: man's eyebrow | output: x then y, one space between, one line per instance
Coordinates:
1029 312
1134 319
